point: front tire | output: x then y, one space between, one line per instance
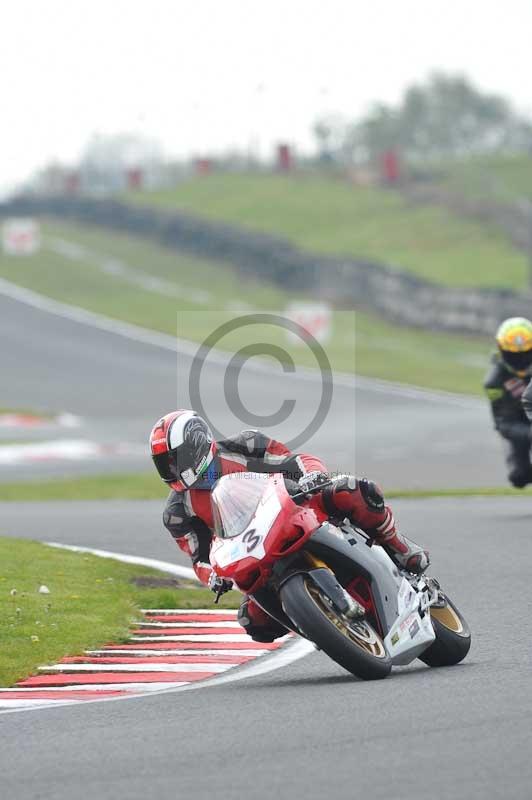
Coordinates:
351 643
453 637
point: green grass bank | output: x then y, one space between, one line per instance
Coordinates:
92 601
330 216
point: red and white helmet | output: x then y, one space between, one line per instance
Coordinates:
182 447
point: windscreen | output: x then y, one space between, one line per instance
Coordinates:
234 501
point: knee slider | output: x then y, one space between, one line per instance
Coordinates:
242 615
346 483
262 630
373 497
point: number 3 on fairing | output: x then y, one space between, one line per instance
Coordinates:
252 539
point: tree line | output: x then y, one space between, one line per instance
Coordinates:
445 116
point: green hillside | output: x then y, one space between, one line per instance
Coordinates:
330 216
502 178
107 272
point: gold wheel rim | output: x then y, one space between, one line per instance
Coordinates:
447 617
357 631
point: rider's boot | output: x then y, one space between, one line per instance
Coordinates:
403 551
258 624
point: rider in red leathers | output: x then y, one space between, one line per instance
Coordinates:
190 461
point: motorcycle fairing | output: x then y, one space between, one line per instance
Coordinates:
398 604
412 632
401 605
250 542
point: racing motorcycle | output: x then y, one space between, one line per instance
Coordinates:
327 582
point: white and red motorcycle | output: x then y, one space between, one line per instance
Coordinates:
323 582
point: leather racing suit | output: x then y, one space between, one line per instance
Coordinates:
527 400
508 393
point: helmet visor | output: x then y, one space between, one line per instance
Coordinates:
165 466
180 464
520 362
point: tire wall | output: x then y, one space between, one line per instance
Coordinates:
347 282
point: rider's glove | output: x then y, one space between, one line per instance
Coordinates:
312 481
219 585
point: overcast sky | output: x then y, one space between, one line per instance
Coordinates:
206 75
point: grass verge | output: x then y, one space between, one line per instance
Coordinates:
136 486
92 601
483 491
148 486
360 342
505 179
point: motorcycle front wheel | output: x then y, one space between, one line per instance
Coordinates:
453 637
351 643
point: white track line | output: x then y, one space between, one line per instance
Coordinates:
205 666
7 706
88 687
173 344
184 624
156 611
149 652
162 566
119 269
192 637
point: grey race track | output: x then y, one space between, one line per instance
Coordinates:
309 730
120 387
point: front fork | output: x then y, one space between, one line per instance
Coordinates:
334 594
322 575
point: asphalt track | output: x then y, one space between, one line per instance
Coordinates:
120 386
309 730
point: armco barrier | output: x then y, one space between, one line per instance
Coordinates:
347 282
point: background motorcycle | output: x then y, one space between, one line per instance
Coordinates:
327 582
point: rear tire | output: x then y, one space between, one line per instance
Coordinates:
351 643
453 637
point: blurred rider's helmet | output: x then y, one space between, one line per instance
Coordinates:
514 338
182 447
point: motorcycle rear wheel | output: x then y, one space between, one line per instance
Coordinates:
353 644
453 637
